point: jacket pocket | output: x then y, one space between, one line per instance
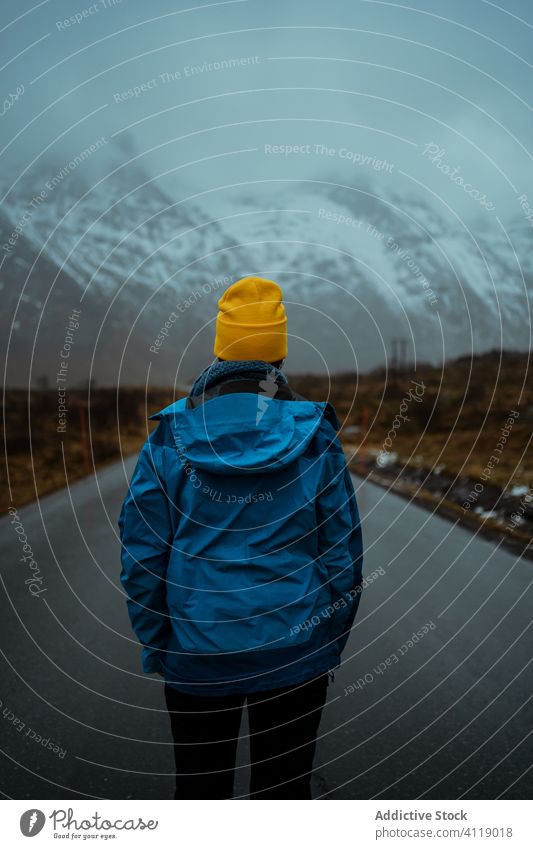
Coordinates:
251 617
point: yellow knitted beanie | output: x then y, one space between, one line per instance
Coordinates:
251 323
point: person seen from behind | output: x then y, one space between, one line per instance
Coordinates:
242 558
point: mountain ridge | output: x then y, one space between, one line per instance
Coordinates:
358 267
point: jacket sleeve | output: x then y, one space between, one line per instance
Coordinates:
146 537
340 542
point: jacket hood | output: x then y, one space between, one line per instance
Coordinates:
244 433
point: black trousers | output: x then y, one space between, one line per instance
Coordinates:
283 728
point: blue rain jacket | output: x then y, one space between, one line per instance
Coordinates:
241 544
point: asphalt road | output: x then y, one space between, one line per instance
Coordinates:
448 716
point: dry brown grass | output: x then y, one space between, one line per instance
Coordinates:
41 460
457 425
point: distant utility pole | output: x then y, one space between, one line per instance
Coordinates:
362 447
43 382
398 354
403 349
84 440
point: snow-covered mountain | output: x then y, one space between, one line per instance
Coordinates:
358 268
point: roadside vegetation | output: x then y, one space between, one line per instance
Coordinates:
449 435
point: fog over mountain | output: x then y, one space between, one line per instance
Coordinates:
373 157
360 266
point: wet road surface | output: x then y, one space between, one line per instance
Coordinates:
445 715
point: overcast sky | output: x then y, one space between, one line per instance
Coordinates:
374 82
